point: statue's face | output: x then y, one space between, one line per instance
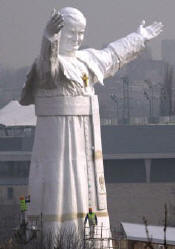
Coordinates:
72 36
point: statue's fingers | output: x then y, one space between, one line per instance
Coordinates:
152 26
54 12
160 25
143 22
55 20
59 27
59 24
55 17
58 20
157 25
152 29
158 28
158 31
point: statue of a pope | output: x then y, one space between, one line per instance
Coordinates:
66 172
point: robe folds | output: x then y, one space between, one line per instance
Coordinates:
66 171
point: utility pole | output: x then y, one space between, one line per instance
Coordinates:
150 103
126 104
115 99
150 98
164 103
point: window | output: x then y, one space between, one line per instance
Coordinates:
163 170
2 132
27 131
14 169
124 171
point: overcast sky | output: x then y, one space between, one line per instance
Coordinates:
22 23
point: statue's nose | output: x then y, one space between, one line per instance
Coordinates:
75 38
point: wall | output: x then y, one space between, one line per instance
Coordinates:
129 202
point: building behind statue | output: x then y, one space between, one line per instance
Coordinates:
139 164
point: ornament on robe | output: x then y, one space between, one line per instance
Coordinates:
102 183
85 79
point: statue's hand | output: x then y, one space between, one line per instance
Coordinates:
151 31
55 24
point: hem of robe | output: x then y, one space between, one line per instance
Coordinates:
64 217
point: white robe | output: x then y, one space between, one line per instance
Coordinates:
66 171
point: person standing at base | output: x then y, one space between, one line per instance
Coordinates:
92 219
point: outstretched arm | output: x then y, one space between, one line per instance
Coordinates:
120 52
47 64
128 48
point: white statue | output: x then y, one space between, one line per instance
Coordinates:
66 172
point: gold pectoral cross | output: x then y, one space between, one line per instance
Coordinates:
85 79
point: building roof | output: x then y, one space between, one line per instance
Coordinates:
137 232
154 141
14 114
119 142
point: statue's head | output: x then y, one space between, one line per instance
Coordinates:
72 33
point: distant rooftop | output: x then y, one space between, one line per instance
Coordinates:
14 114
137 232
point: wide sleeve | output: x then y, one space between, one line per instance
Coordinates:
27 94
117 54
47 62
43 71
